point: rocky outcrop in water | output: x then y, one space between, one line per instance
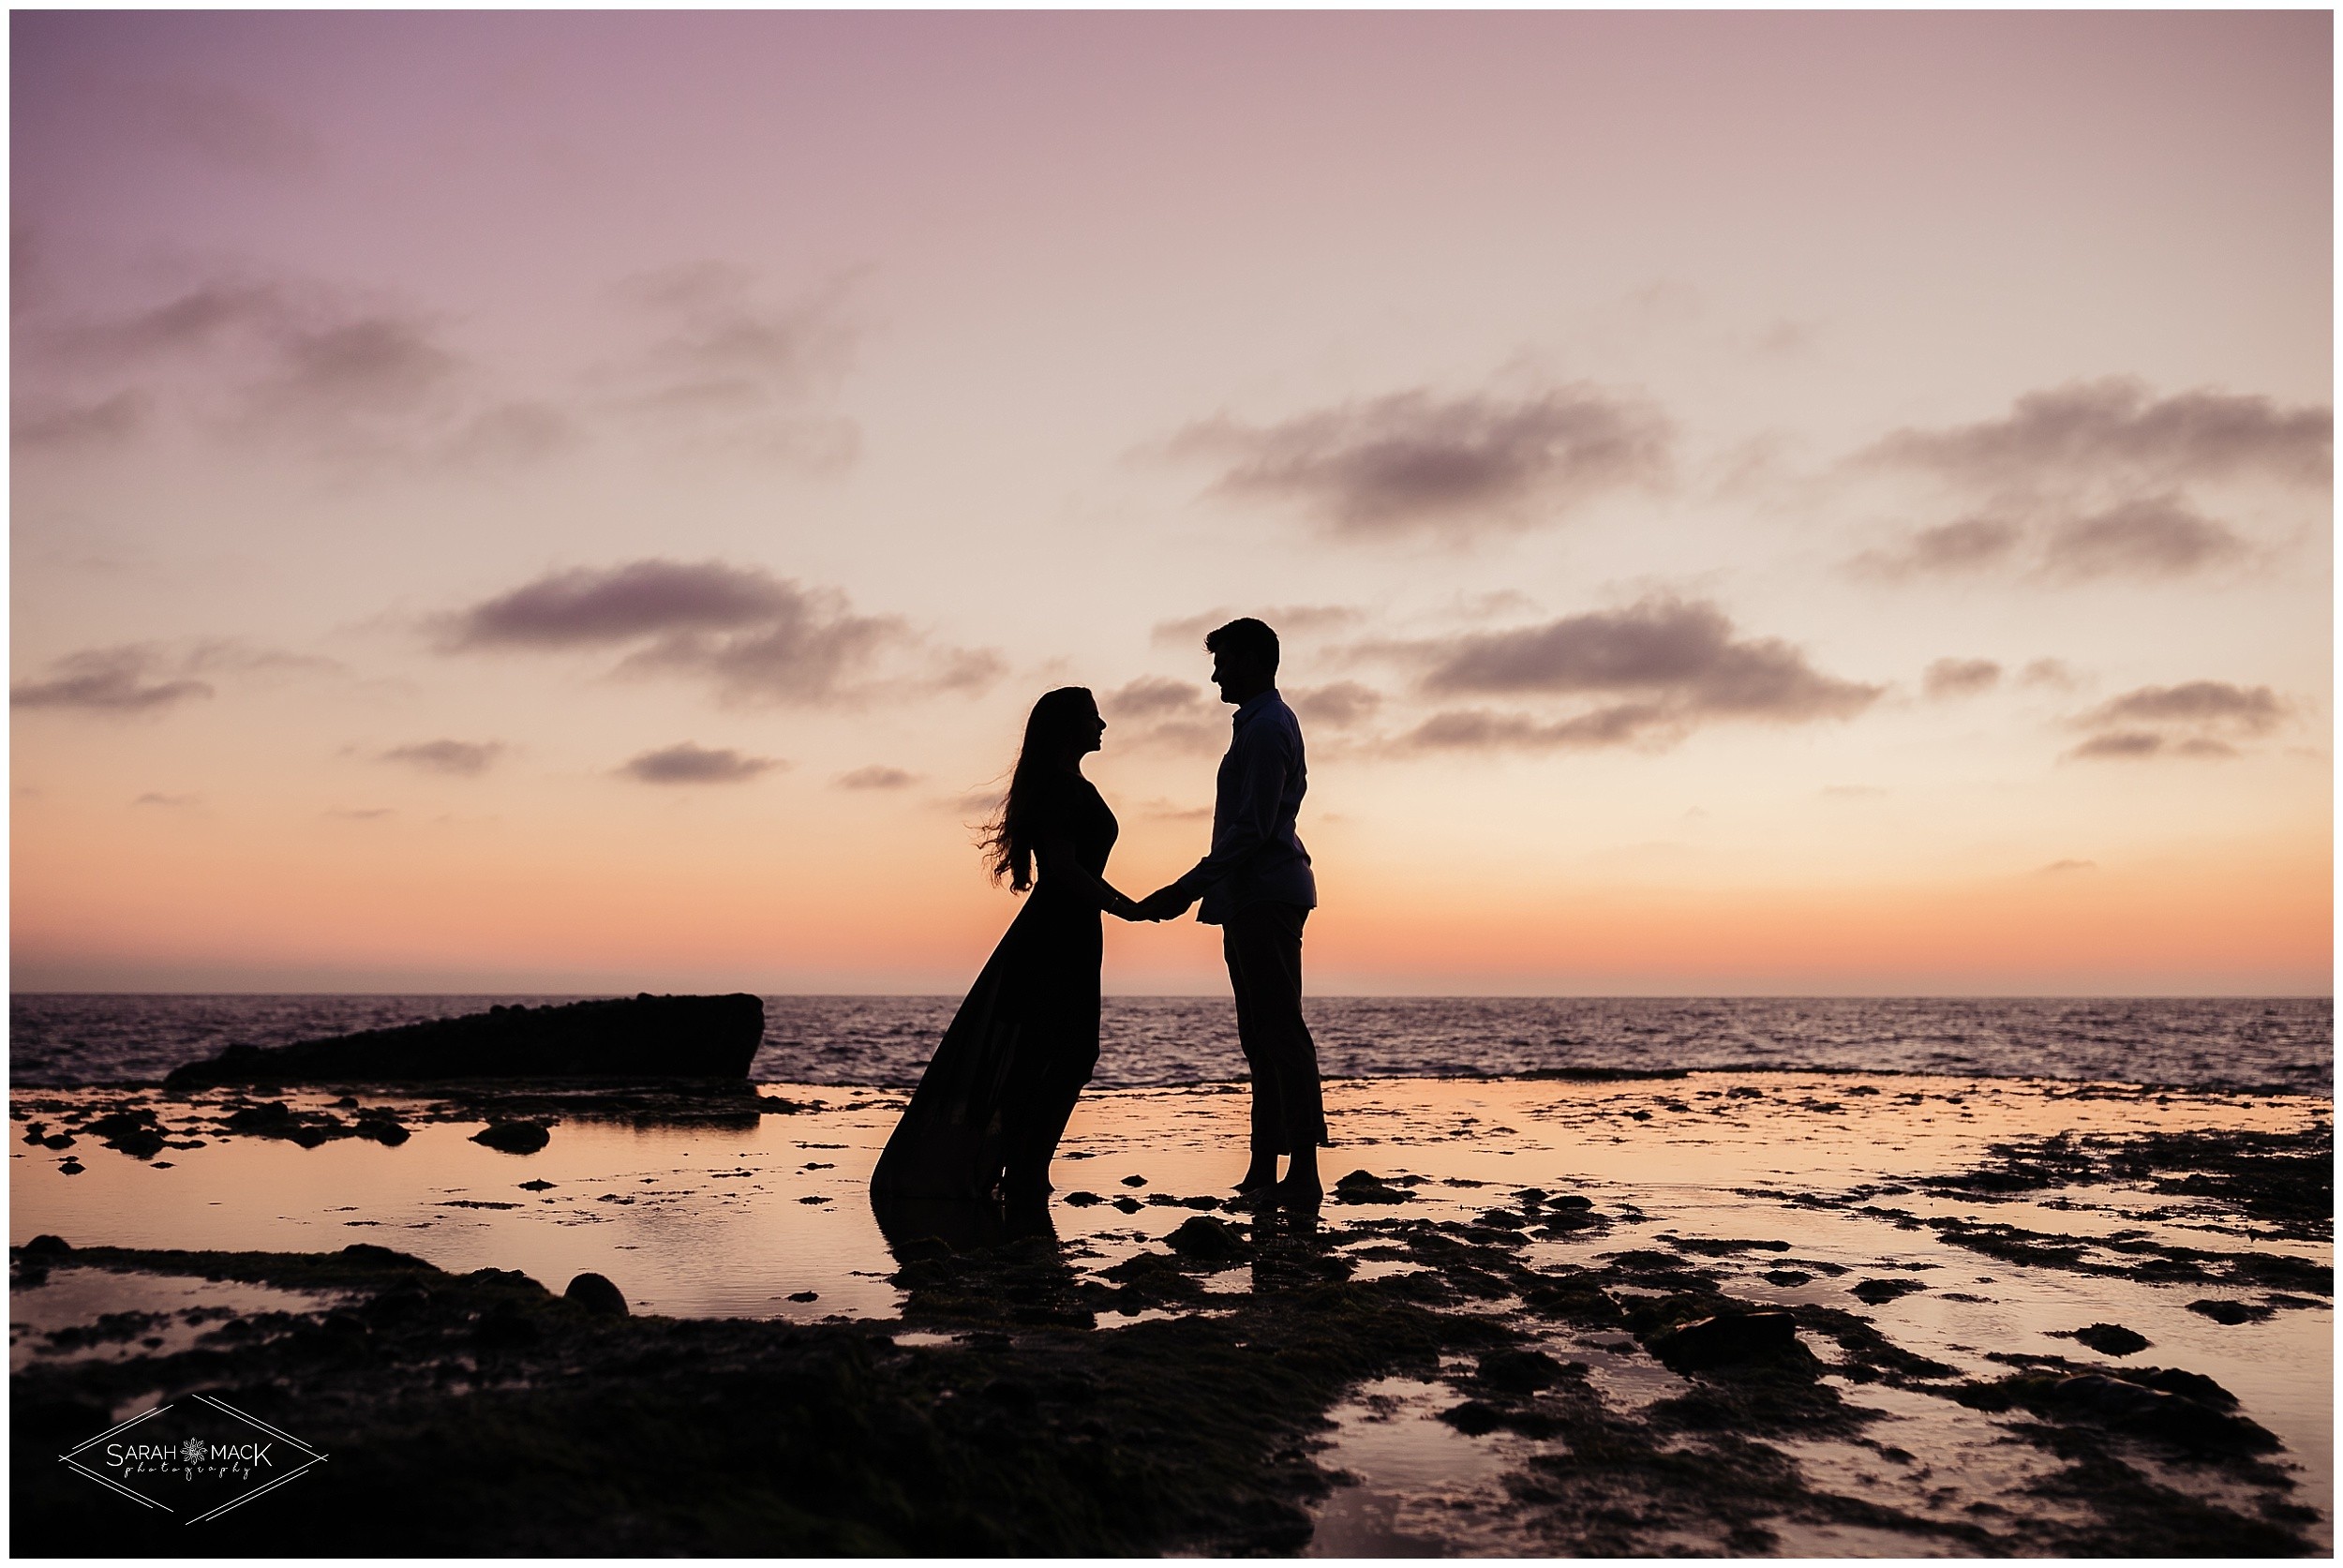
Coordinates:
637 1038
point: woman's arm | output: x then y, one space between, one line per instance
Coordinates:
1056 854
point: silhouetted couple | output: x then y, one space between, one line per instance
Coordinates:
987 1114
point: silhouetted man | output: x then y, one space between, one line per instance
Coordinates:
1255 886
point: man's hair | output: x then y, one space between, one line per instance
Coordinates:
1246 639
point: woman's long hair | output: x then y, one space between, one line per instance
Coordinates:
1057 718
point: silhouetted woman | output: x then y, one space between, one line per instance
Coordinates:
996 1094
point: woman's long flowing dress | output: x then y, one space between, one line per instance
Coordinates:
1004 1079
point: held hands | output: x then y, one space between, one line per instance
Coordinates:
1164 904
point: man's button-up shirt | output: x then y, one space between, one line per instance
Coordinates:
1256 856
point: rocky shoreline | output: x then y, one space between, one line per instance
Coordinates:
1031 1399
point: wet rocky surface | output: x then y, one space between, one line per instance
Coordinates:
1585 1367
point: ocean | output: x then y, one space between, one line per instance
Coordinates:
2269 1045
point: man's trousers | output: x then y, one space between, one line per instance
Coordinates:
1262 944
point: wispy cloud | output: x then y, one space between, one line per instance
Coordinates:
877 776
2248 710
721 369
2117 428
755 638
687 764
464 758
1664 664
1418 463
1155 712
1960 678
1288 621
118 680
2195 719
2156 536
2097 480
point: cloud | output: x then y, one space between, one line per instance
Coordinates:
118 680
1681 650
2060 868
1152 697
2159 536
756 638
1158 713
2116 428
1414 462
2049 672
685 763
218 124
2189 720
640 599
466 758
1480 730
722 371
1290 620
156 797
2249 710
1337 706
368 814
877 776
107 421
1961 677
2135 744
1970 545
1667 665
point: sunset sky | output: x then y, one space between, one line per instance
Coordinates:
1834 502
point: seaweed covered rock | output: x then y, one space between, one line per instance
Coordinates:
1726 1339
514 1138
640 1036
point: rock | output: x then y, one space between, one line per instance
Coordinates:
599 1297
504 1326
1129 1206
133 1130
1134 1181
35 1133
367 1252
1082 1200
1501 1219
2229 1312
1520 1371
514 1138
805 1295
2112 1339
640 1036
2173 1417
1472 1418
1365 1186
1570 1200
1206 1239
2191 1385
1877 1292
71 1166
46 1245
382 1127
1724 1341
1787 1277
540 1184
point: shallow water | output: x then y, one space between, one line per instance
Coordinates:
2205 1042
735 1223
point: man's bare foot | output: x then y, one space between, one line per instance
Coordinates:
1257 1175
1300 1193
